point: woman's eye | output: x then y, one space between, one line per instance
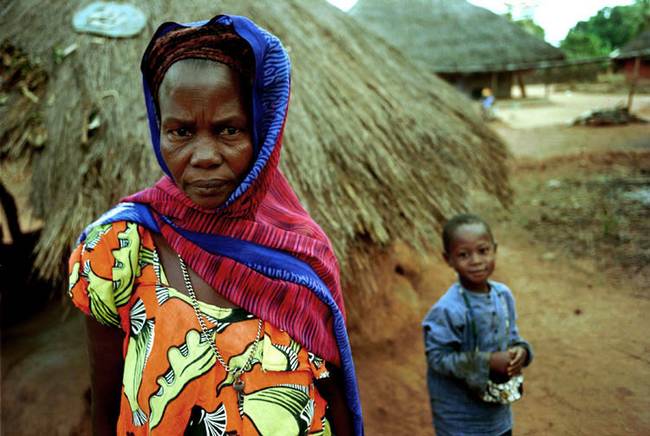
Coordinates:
180 132
229 131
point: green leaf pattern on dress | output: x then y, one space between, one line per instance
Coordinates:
101 296
74 277
106 295
95 235
127 265
283 409
140 344
187 362
278 357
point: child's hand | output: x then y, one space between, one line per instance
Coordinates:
499 363
518 356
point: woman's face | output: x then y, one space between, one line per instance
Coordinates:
205 134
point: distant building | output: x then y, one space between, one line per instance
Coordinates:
634 52
470 47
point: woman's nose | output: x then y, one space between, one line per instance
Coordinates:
206 153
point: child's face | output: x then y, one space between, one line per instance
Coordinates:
472 254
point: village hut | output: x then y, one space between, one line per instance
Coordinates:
380 151
634 58
469 46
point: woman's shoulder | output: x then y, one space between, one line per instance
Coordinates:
117 249
106 265
116 217
115 234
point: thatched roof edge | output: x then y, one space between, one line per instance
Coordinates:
454 36
638 47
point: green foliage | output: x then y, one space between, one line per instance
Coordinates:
531 27
580 44
609 29
528 25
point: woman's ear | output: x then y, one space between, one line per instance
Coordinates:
446 257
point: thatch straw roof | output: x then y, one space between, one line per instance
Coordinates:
22 85
453 36
376 149
638 47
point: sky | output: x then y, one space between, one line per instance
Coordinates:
557 17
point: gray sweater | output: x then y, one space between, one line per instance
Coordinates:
456 372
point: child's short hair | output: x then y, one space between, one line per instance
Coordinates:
460 220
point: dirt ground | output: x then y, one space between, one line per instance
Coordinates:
561 107
574 247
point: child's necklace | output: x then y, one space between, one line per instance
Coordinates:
472 317
238 384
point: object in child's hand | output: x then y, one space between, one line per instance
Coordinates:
499 377
504 393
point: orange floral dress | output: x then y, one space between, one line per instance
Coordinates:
172 381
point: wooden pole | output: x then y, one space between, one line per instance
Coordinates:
522 85
635 78
495 83
547 83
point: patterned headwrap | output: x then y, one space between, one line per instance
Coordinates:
215 42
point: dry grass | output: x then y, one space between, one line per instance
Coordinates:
22 85
376 148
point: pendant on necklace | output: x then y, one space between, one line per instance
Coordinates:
238 385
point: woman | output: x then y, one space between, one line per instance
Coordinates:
225 292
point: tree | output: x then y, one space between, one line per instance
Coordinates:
609 29
582 44
529 25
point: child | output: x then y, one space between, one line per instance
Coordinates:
487 104
471 337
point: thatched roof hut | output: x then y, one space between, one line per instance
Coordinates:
638 47
470 46
634 58
377 149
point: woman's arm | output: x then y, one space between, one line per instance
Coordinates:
331 389
106 365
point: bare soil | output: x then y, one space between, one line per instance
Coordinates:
542 109
574 247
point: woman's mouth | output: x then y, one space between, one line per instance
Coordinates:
208 187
